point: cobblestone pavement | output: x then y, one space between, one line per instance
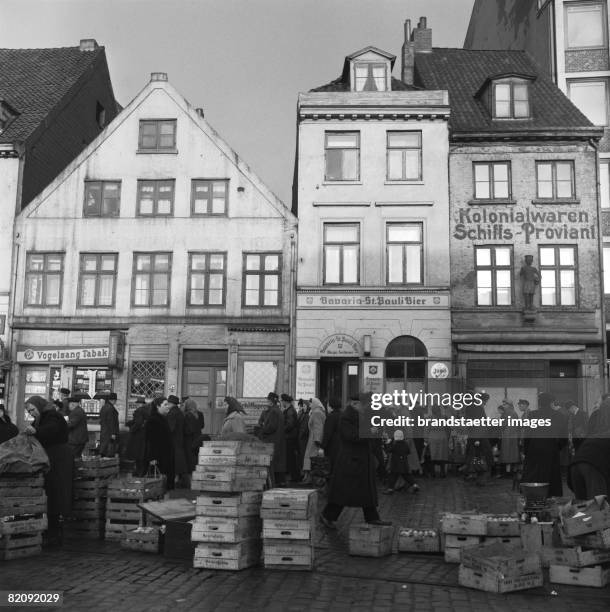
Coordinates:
99 576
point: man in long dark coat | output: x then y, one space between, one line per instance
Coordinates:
291 430
353 480
78 433
175 420
136 443
109 427
271 430
331 440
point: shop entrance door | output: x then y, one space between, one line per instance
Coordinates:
338 379
563 377
207 385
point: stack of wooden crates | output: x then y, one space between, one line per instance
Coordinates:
370 540
289 528
23 507
90 490
124 495
231 475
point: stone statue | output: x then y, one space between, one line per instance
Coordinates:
530 277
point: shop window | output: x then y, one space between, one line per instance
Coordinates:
493 265
157 136
557 275
555 180
259 378
370 76
209 197
585 25
97 280
102 198
206 281
147 378
404 152
406 346
155 198
404 253
342 156
492 180
262 275
341 253
151 279
44 279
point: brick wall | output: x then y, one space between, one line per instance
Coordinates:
586 60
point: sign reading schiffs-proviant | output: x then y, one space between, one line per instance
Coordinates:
59 354
373 300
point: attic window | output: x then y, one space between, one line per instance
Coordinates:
6 115
510 99
369 76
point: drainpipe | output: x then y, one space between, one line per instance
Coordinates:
292 331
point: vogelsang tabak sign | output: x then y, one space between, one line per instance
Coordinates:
530 222
62 354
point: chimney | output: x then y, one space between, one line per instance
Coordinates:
158 76
199 111
422 37
408 56
88 44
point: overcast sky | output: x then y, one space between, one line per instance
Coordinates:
243 61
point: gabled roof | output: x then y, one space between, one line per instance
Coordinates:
463 72
34 81
353 56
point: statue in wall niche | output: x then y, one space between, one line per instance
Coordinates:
530 277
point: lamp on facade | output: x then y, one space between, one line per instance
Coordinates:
366 341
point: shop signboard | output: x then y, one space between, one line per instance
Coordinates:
372 300
63 354
340 345
373 376
305 380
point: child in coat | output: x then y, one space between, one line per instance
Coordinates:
398 450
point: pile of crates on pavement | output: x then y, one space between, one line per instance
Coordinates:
123 497
289 528
23 507
231 476
89 492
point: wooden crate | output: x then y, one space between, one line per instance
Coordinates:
278 529
505 540
232 448
20 540
97 467
113 529
144 539
12 506
599 539
288 554
142 489
246 553
464 524
597 576
229 473
577 556
502 559
229 530
452 555
121 509
97 503
236 486
536 536
88 488
289 504
585 517
23 524
20 553
418 540
370 540
21 486
462 541
233 505
501 525
493 582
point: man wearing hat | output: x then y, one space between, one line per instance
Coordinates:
78 433
175 420
353 479
64 394
291 431
109 427
271 430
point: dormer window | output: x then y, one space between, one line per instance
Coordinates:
369 76
510 99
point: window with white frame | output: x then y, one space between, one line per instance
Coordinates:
262 275
591 98
342 156
155 198
44 279
102 198
157 135
341 253
511 99
555 180
404 152
404 253
207 274
585 24
370 76
557 275
492 180
97 282
493 265
151 279
209 197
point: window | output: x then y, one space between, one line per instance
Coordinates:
511 99
209 197
404 253
157 135
591 97
607 268
342 156
585 25
558 276
97 280
155 198
151 279
493 266
147 378
262 279
604 183
555 180
102 198
206 279
44 279
369 77
341 253
492 181
404 156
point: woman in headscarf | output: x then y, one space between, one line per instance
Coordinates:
51 430
317 417
192 433
8 429
234 421
159 445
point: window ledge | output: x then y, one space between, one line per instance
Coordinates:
341 183
157 152
559 201
496 202
413 182
595 48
